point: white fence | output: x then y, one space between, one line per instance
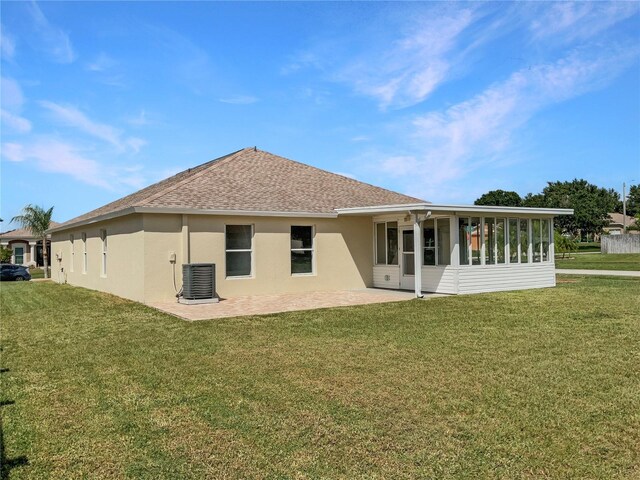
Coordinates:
627 243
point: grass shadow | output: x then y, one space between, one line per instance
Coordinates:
8 464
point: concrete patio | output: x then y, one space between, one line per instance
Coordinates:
266 304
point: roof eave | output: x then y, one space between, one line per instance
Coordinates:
425 207
191 211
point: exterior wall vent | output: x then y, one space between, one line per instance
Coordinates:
198 283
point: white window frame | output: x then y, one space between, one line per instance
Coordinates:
312 250
505 240
386 243
250 250
72 241
435 242
85 262
23 254
436 247
469 249
103 238
508 244
549 240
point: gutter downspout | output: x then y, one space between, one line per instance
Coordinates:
186 250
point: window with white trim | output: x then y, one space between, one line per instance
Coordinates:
387 243
524 240
239 250
547 231
84 253
436 239
103 237
514 241
301 249
72 257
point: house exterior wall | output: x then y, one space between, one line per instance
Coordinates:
125 255
342 253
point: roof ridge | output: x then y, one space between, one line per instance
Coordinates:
214 163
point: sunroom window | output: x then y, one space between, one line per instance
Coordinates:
500 239
536 240
489 241
436 242
443 235
546 238
514 254
464 233
524 240
387 243
476 239
429 234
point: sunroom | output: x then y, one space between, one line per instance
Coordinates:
461 249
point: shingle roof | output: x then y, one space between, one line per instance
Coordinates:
618 219
254 180
22 233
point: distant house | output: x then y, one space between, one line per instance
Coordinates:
616 224
273 225
26 249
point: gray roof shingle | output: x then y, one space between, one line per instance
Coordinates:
254 180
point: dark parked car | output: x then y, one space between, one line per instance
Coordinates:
14 272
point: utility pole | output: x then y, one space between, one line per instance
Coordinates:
624 207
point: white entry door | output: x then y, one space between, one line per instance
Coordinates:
407 265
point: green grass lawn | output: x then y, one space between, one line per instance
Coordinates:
38 272
598 261
588 246
533 384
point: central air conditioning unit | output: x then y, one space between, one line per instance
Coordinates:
198 283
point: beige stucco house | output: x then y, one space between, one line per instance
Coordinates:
617 222
273 225
25 248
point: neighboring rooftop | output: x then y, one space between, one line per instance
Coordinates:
252 180
21 233
618 219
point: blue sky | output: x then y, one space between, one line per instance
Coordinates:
443 101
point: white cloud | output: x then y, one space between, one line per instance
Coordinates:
7 44
55 156
101 63
239 99
54 41
139 120
12 100
580 20
409 71
452 143
300 61
14 123
11 93
72 117
136 143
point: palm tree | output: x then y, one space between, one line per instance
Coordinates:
37 220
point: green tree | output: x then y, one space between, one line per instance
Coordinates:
633 201
5 254
534 200
591 205
37 220
563 244
502 198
